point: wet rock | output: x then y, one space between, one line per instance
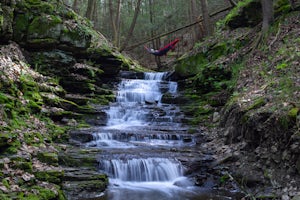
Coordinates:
132 75
82 183
248 15
52 176
248 176
79 158
49 158
82 136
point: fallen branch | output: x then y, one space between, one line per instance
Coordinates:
178 29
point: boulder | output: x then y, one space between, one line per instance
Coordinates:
246 14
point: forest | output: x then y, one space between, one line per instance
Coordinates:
130 25
149 99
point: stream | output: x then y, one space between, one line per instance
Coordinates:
145 145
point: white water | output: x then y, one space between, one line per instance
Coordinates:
139 144
132 96
143 170
136 101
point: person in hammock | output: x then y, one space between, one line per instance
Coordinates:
164 50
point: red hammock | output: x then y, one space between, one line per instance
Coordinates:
164 50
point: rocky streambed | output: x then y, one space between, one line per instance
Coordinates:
144 151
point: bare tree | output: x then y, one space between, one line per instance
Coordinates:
75 6
90 9
128 37
115 20
206 19
268 14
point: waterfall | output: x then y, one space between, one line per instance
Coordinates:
133 95
144 141
143 170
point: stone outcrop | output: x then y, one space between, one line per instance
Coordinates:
59 43
53 65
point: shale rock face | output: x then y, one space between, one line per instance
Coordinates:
52 65
59 43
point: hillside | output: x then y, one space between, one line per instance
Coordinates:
246 94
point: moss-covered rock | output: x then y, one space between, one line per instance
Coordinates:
26 166
20 27
190 66
44 31
3 142
52 176
36 6
245 14
76 37
50 158
6 21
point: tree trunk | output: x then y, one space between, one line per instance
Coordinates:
193 18
268 14
118 23
75 6
115 22
112 21
96 17
128 37
154 42
90 9
206 19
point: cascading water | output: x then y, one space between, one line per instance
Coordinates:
133 94
143 170
139 143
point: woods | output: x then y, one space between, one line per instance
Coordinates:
127 23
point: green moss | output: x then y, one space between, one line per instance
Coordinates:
224 178
1 22
293 113
190 66
13 146
217 50
4 197
46 27
4 98
49 158
235 11
26 166
281 6
284 122
20 26
259 102
43 41
52 176
40 193
33 138
36 6
281 66
5 183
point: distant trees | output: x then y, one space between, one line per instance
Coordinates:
129 34
128 22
